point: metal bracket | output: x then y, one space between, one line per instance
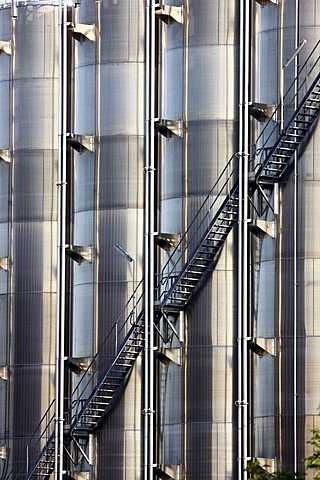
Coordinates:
4 452
81 254
5 47
4 372
168 128
263 346
167 471
167 241
263 3
82 32
262 111
263 228
80 365
168 355
269 464
169 14
5 155
81 143
5 263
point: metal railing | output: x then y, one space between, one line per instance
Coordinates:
189 241
107 354
297 90
36 444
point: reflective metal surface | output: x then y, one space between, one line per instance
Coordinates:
286 388
28 224
108 207
199 84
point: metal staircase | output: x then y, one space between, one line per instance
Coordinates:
93 411
279 157
45 466
211 230
182 275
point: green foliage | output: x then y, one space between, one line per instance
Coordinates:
257 472
314 460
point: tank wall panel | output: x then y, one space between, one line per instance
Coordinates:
199 84
275 278
109 95
28 126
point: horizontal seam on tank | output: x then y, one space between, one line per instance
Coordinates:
24 79
30 365
231 345
127 62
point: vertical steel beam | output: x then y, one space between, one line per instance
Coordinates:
295 252
244 85
61 242
149 244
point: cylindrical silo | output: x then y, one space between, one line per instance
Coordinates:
28 86
286 389
108 206
199 85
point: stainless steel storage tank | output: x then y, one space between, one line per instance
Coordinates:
28 90
286 389
199 84
108 205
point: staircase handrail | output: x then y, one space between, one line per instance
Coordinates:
273 121
37 436
261 165
77 416
204 214
167 273
90 373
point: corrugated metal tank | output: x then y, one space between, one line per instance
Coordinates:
199 84
28 127
108 205
274 393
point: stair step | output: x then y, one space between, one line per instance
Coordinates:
308 122
270 169
312 107
182 299
295 135
304 129
187 285
279 155
286 149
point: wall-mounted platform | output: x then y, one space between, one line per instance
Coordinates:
81 254
5 47
263 3
82 32
263 346
5 155
168 356
170 14
167 241
169 128
80 365
263 228
167 472
261 111
5 263
4 372
81 143
4 452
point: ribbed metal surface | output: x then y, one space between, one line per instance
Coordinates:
199 83
108 205
274 377
28 223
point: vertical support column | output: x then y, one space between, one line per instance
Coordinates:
149 245
244 83
295 256
61 242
